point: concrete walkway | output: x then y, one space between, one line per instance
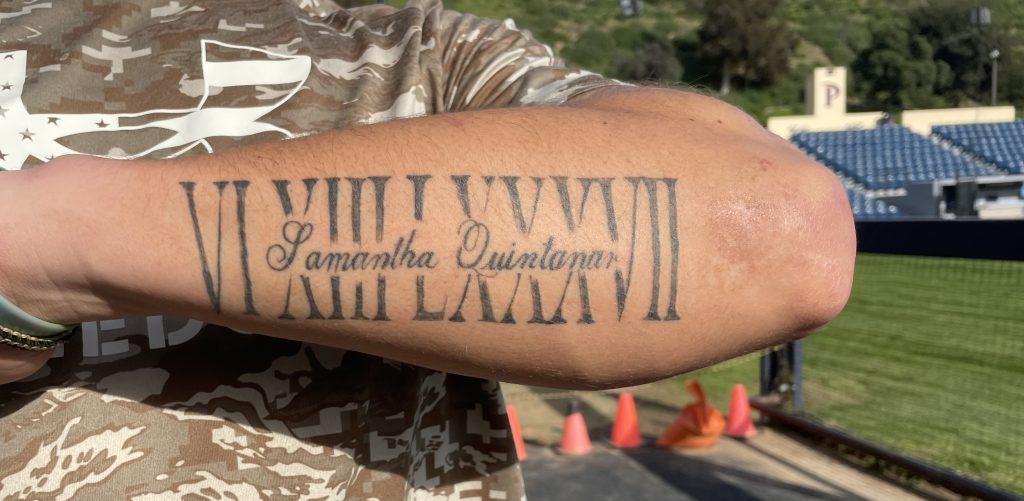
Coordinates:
769 466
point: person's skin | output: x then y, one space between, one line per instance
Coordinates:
755 241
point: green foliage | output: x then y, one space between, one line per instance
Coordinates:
898 69
748 38
840 28
595 49
783 98
902 55
652 58
957 44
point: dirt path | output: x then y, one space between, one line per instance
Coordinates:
769 466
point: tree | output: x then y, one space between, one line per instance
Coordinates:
898 70
653 59
749 39
959 45
841 28
645 55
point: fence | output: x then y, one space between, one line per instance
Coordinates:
926 360
925 363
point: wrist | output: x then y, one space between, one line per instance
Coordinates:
44 240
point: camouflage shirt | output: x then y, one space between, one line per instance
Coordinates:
161 407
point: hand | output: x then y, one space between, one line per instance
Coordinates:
17 364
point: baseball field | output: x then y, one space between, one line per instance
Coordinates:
927 359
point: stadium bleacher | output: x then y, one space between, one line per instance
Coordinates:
887 157
1001 144
868 207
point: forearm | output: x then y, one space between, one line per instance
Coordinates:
463 242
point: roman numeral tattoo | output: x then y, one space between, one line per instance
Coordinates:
528 249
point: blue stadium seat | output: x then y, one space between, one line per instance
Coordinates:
1001 144
868 207
887 157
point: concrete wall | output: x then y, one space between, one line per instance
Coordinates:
921 121
787 126
826 105
826 92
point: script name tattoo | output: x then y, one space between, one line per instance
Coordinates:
338 263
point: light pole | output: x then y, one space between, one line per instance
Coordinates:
631 8
994 56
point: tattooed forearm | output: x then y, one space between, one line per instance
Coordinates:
510 249
444 241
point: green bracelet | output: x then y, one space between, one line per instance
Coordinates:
22 330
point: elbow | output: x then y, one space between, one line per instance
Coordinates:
608 375
796 276
821 268
610 359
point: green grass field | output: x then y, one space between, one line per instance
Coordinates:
927 358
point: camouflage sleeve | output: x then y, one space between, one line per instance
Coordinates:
491 64
317 8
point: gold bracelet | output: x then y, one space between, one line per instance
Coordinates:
24 341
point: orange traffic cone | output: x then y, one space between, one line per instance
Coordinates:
740 425
575 439
517 435
626 431
698 425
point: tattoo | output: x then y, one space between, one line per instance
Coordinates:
243 246
213 285
332 207
379 183
357 207
333 273
293 234
418 185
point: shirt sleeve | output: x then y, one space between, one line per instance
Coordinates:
317 8
491 64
